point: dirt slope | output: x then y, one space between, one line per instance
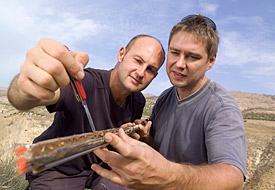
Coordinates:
19 128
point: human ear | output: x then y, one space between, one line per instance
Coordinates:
121 54
211 62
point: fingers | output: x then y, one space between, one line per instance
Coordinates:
145 130
113 159
133 164
46 68
135 136
107 156
111 175
60 52
32 91
123 144
81 57
138 121
126 125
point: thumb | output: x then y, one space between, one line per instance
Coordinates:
125 137
124 144
81 57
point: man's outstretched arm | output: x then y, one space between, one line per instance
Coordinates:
138 166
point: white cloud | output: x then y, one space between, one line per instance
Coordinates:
68 27
23 23
101 28
208 8
248 46
35 21
256 71
188 5
249 55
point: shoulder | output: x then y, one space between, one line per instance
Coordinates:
138 98
219 104
96 78
165 95
221 96
164 100
91 72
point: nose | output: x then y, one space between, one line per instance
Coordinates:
181 62
141 70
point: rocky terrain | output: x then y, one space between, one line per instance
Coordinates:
19 128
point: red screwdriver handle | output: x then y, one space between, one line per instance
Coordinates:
80 89
77 86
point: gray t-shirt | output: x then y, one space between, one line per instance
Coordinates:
206 127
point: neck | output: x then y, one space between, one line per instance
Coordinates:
187 91
119 93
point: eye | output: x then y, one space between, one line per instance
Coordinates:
174 53
138 60
193 57
151 70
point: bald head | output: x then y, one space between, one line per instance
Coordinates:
144 36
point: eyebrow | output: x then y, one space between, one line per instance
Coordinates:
194 54
175 49
144 62
140 58
186 53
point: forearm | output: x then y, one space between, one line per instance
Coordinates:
212 177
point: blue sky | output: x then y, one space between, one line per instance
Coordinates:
246 55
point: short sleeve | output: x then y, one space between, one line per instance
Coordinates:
225 138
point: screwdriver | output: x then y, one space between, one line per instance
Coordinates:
80 96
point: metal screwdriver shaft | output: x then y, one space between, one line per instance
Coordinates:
80 96
90 119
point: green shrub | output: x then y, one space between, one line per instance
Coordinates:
259 116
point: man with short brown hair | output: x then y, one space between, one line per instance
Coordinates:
197 126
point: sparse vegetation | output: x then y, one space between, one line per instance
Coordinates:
259 114
9 179
19 128
150 102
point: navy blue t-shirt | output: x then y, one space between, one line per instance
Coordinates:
70 117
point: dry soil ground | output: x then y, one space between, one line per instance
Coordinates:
19 128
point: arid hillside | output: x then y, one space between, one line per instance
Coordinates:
19 128
259 116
